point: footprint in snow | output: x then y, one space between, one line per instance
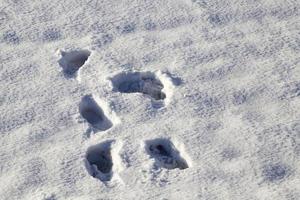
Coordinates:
139 82
165 154
99 161
93 114
71 61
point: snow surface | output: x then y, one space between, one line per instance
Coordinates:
209 107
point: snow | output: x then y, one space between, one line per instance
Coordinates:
140 99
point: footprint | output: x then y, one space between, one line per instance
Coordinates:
93 114
165 154
71 61
99 161
139 82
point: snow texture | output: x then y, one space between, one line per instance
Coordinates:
150 99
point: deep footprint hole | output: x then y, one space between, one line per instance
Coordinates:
165 154
99 161
139 82
71 61
93 114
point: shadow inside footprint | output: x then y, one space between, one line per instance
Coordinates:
165 154
139 82
93 114
99 161
72 61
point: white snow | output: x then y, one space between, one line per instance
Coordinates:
150 99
